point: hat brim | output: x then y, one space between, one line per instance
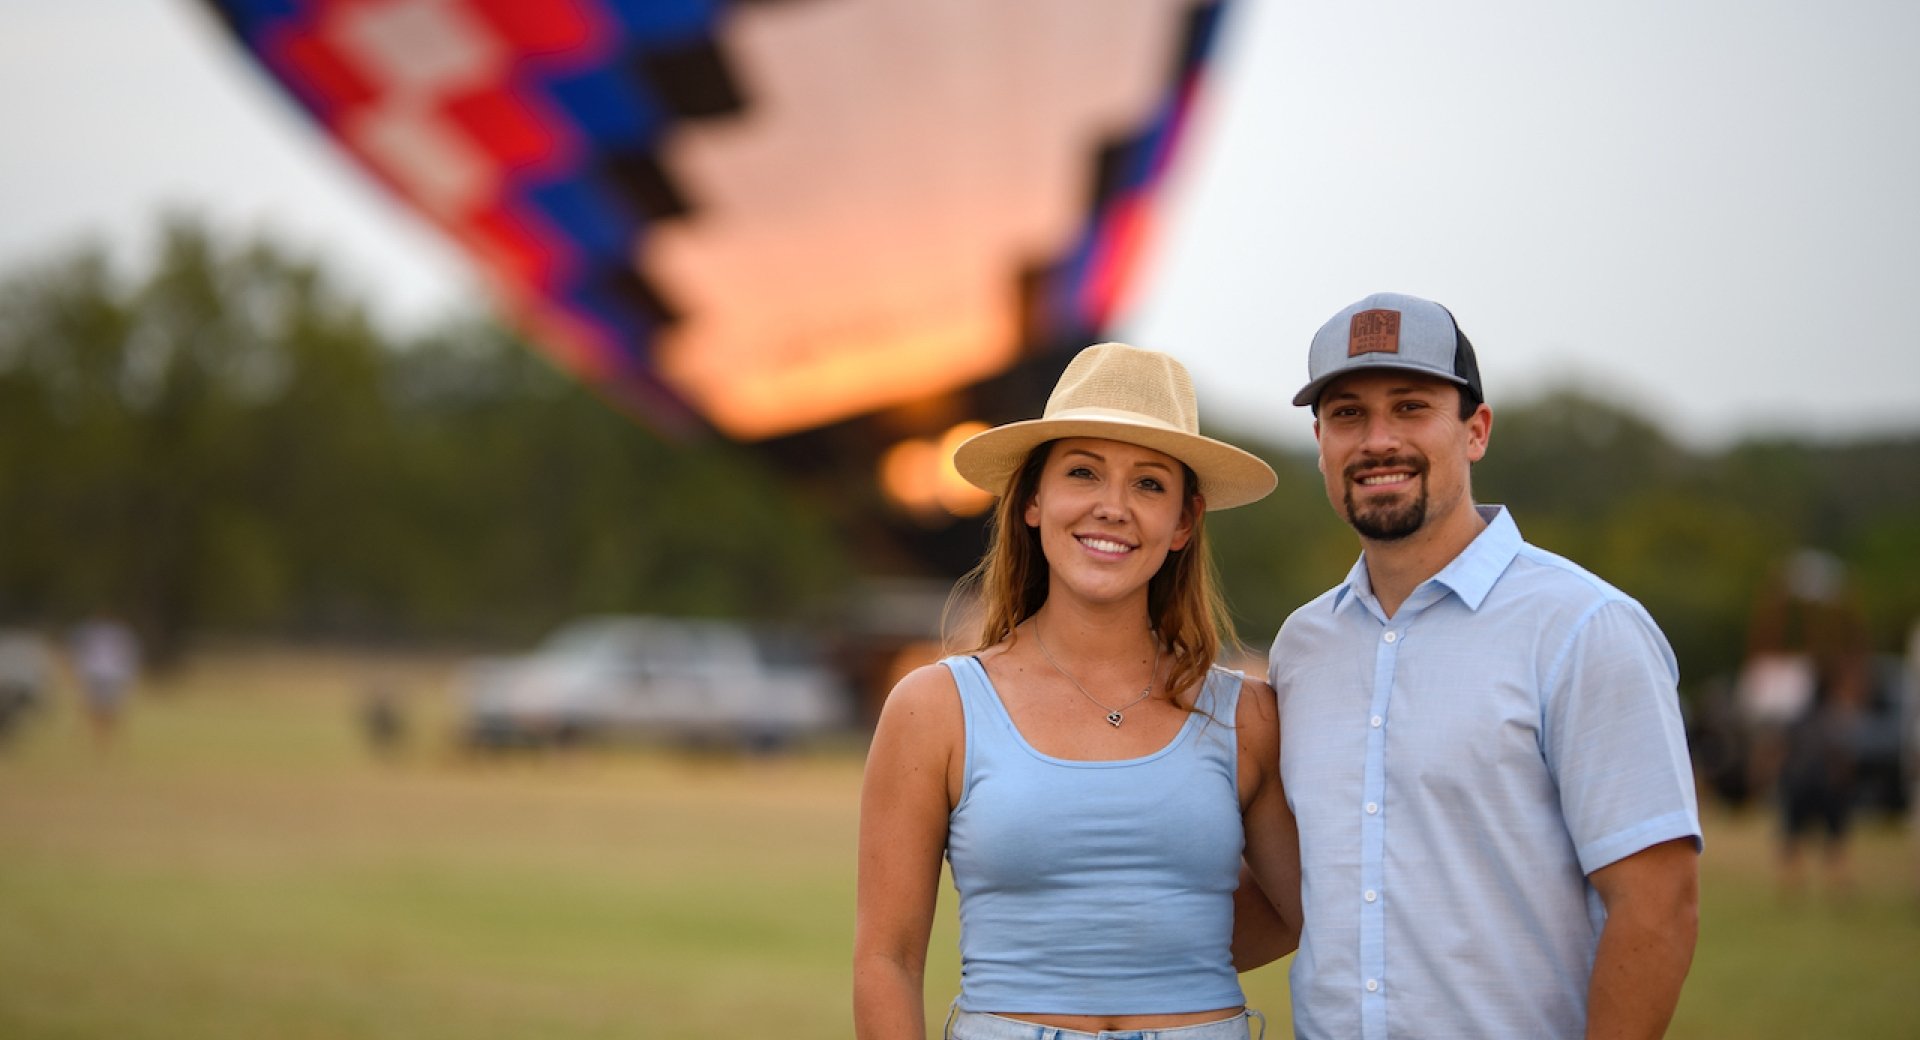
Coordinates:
1310 394
1228 476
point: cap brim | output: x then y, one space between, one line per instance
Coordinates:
1310 393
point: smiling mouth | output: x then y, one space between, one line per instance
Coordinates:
1106 545
1377 479
1386 472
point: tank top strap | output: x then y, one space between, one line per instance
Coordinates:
1220 693
978 699
970 675
1218 705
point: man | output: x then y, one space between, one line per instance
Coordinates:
1481 741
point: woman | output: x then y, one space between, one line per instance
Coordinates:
1089 774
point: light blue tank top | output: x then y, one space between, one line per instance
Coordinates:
1096 888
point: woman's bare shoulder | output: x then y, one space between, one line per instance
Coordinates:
927 692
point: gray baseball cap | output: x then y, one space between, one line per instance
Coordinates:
1391 330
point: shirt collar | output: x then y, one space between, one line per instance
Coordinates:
1472 573
1469 576
1358 586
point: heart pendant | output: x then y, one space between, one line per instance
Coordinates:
1113 719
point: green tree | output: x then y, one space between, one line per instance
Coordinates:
128 477
228 443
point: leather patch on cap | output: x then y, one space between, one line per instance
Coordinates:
1374 332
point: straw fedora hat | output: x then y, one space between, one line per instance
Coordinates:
1121 393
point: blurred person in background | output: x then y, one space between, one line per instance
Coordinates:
1089 772
1815 784
106 660
24 672
1480 740
382 722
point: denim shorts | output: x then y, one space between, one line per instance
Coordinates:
974 1025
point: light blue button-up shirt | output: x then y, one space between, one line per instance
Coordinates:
1457 771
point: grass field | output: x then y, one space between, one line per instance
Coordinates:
240 865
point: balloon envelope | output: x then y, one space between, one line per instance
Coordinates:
765 216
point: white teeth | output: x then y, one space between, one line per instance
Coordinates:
1383 478
1104 545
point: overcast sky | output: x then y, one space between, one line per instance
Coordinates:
1706 209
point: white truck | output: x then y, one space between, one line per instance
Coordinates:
652 678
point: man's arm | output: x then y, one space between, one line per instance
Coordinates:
1646 947
1260 934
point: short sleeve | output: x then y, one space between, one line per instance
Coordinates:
1614 740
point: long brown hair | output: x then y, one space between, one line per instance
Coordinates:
1184 604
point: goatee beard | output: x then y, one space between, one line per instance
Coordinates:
1387 521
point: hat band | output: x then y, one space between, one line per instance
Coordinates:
1115 415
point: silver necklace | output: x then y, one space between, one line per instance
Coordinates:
1114 718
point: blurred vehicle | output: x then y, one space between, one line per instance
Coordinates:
650 678
26 668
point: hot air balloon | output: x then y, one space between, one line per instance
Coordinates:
838 228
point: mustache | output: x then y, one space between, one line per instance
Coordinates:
1355 469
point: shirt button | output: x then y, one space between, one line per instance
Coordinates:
1391 637
1376 721
1373 985
1373 808
1371 896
